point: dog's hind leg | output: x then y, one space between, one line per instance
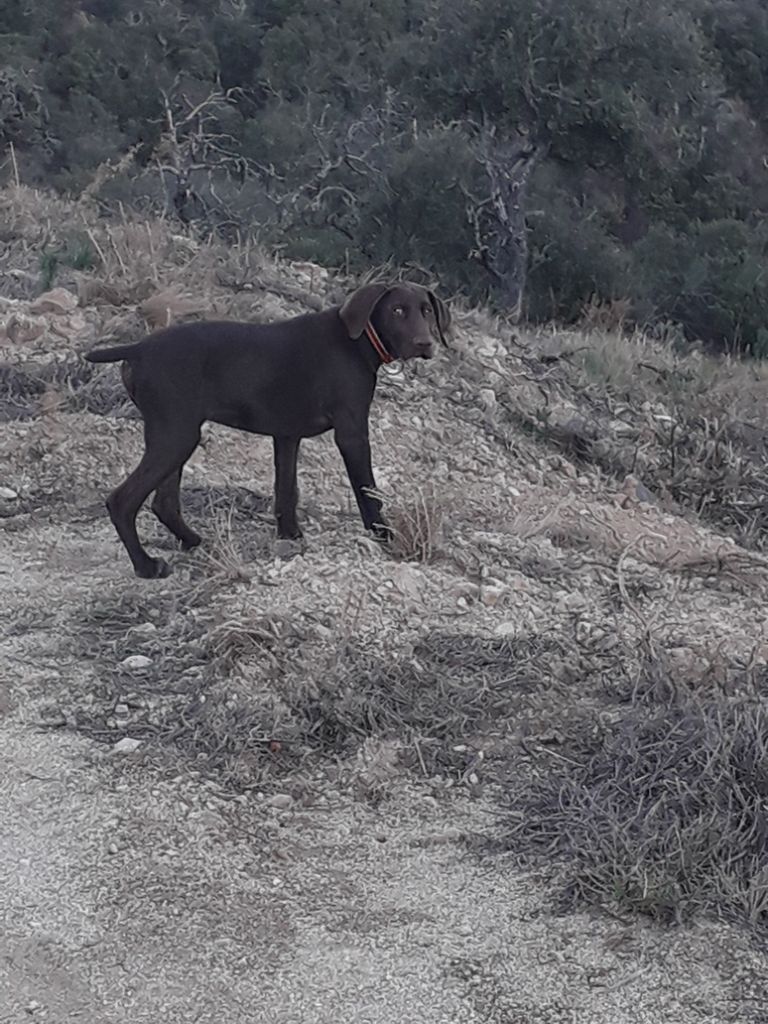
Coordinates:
166 505
286 450
166 449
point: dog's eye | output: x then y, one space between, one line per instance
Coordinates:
399 311
428 311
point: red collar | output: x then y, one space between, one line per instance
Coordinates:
378 344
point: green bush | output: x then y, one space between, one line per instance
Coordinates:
711 280
573 255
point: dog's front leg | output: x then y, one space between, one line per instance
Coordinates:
356 451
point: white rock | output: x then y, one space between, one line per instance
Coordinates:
8 494
127 745
136 662
506 629
409 580
280 801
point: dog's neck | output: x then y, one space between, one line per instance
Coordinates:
378 344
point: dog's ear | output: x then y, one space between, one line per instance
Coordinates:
442 316
356 311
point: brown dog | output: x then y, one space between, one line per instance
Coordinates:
289 380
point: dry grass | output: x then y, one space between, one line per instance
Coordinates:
223 554
241 735
668 816
689 427
441 699
416 521
229 552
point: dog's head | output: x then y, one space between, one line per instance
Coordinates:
407 318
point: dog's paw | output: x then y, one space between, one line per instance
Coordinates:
382 533
154 569
190 541
289 547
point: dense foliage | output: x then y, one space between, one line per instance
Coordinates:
630 133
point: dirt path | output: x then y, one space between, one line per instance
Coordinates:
131 889
135 899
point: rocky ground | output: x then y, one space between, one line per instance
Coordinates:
282 789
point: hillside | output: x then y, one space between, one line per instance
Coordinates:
357 771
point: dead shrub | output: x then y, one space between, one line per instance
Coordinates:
668 817
416 521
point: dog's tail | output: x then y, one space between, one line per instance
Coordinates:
111 355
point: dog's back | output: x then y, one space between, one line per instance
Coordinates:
264 378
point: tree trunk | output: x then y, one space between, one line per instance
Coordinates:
501 234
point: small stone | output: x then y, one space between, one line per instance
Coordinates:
473 779
409 580
127 745
487 398
280 801
569 602
8 494
506 629
145 628
136 662
121 710
491 596
112 849
57 300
